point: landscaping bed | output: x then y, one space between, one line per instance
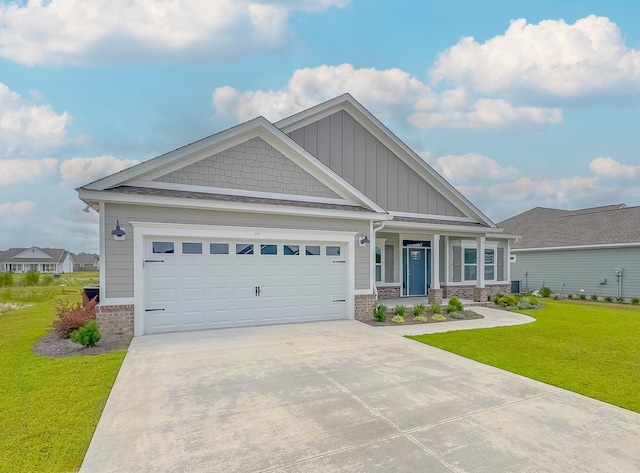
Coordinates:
420 314
52 346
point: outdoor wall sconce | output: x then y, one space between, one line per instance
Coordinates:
363 240
117 232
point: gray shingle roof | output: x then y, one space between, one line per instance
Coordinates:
57 255
435 221
544 228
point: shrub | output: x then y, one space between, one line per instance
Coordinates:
635 301
435 308
438 317
71 316
31 278
496 297
594 297
47 280
583 297
87 335
570 296
545 291
608 299
419 309
620 300
420 318
533 301
6 279
380 313
454 305
508 300
400 310
526 304
398 319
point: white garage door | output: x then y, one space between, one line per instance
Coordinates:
193 284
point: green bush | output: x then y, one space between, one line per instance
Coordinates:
454 305
399 310
608 299
399 319
420 318
570 296
87 335
6 279
438 317
620 300
418 310
594 297
545 291
31 278
635 301
526 304
508 300
435 308
47 280
533 301
583 297
380 313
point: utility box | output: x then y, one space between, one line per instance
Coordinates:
515 287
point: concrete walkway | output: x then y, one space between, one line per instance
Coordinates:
492 318
343 397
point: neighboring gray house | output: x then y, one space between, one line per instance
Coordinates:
588 251
85 262
310 218
43 260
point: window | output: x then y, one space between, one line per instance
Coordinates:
219 248
489 264
290 250
16 268
48 268
333 251
378 264
162 247
191 248
312 250
268 249
31 267
244 249
470 264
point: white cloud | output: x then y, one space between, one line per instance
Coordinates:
26 127
390 92
611 168
551 57
19 208
471 166
117 31
14 171
85 170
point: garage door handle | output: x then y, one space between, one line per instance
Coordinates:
339 300
154 261
152 310
339 261
257 291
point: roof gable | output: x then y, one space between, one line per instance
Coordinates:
215 148
377 162
33 253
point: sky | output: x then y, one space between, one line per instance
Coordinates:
517 104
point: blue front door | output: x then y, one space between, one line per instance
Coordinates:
416 277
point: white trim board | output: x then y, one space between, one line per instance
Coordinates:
576 247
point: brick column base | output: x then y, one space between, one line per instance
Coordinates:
364 304
435 295
480 294
116 321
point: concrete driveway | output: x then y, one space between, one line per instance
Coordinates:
343 397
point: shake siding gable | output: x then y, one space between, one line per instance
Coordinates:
345 146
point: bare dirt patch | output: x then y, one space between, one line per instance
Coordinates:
50 345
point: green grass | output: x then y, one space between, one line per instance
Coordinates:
586 347
49 408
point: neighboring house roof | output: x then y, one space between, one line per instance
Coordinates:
84 258
40 255
549 228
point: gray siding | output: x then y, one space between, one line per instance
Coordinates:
119 254
579 269
254 165
347 148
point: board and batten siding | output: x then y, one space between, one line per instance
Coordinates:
119 254
345 146
570 271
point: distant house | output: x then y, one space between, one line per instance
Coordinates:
85 262
588 251
43 260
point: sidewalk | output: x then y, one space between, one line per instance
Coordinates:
492 318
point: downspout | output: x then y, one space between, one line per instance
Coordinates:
373 245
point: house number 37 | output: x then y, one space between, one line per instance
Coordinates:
257 234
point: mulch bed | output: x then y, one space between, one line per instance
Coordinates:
410 321
51 346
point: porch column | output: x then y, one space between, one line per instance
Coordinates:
480 292
435 293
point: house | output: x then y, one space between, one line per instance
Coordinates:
592 251
314 217
85 262
42 260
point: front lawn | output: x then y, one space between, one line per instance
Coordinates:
589 348
49 408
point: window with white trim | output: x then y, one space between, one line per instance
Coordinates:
470 263
379 255
489 263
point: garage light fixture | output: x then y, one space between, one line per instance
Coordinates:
117 232
363 239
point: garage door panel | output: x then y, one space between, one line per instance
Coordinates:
200 291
